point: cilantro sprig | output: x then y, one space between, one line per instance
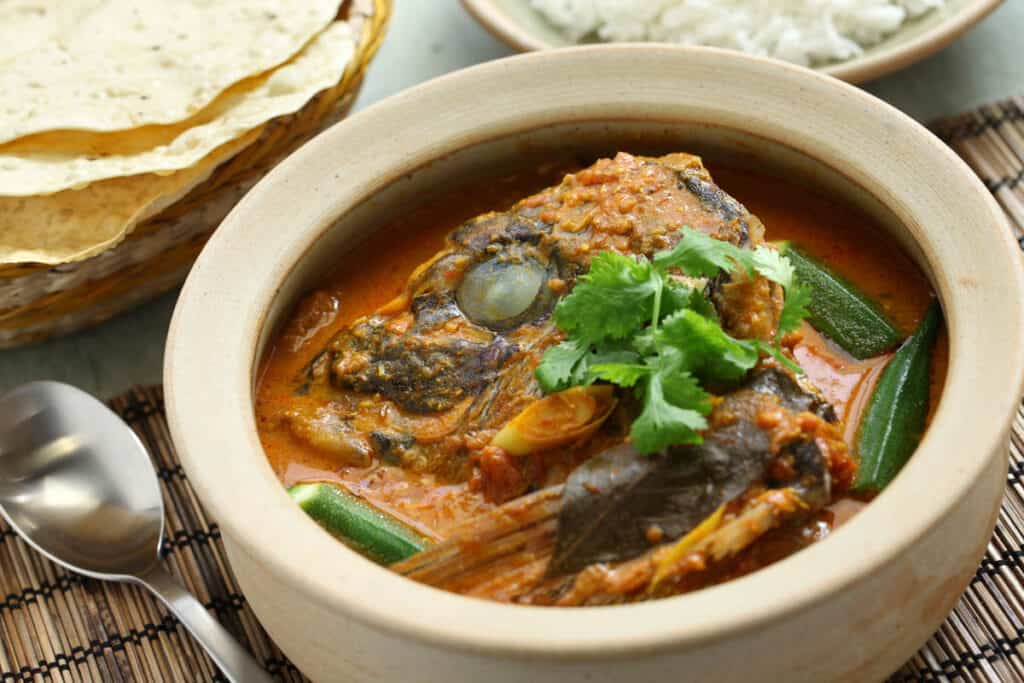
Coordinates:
636 323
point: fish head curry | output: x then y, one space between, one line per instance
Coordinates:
605 391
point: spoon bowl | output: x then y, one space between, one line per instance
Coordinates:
72 484
78 485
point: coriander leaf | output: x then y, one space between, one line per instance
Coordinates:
679 295
612 301
794 310
662 424
774 266
560 367
633 324
701 304
710 353
643 342
624 356
621 374
666 359
616 367
682 389
700 255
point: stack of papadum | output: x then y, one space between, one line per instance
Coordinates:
112 110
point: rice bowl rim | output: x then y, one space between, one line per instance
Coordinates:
884 59
212 349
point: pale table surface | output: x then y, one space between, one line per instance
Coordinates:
431 37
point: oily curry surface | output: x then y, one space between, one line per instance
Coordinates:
345 340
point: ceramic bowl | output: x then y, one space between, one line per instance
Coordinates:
519 26
851 608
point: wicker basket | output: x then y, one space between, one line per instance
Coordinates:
39 301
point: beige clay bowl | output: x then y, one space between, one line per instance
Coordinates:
523 28
851 608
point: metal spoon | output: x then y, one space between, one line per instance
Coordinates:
79 487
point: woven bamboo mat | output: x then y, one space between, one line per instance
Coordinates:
56 626
983 639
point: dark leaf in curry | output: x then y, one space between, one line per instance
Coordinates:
618 504
613 502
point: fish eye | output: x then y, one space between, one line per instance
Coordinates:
501 293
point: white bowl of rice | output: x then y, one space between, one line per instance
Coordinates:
855 40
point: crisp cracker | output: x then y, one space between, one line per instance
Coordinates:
75 224
50 162
111 66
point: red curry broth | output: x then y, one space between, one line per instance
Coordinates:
376 271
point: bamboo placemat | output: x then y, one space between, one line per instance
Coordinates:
56 626
983 639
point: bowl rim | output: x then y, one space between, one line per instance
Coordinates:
857 70
221 304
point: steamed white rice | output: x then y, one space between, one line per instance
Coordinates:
806 32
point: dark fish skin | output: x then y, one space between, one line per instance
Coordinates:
715 199
427 358
791 395
421 373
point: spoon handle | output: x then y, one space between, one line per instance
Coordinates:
234 660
